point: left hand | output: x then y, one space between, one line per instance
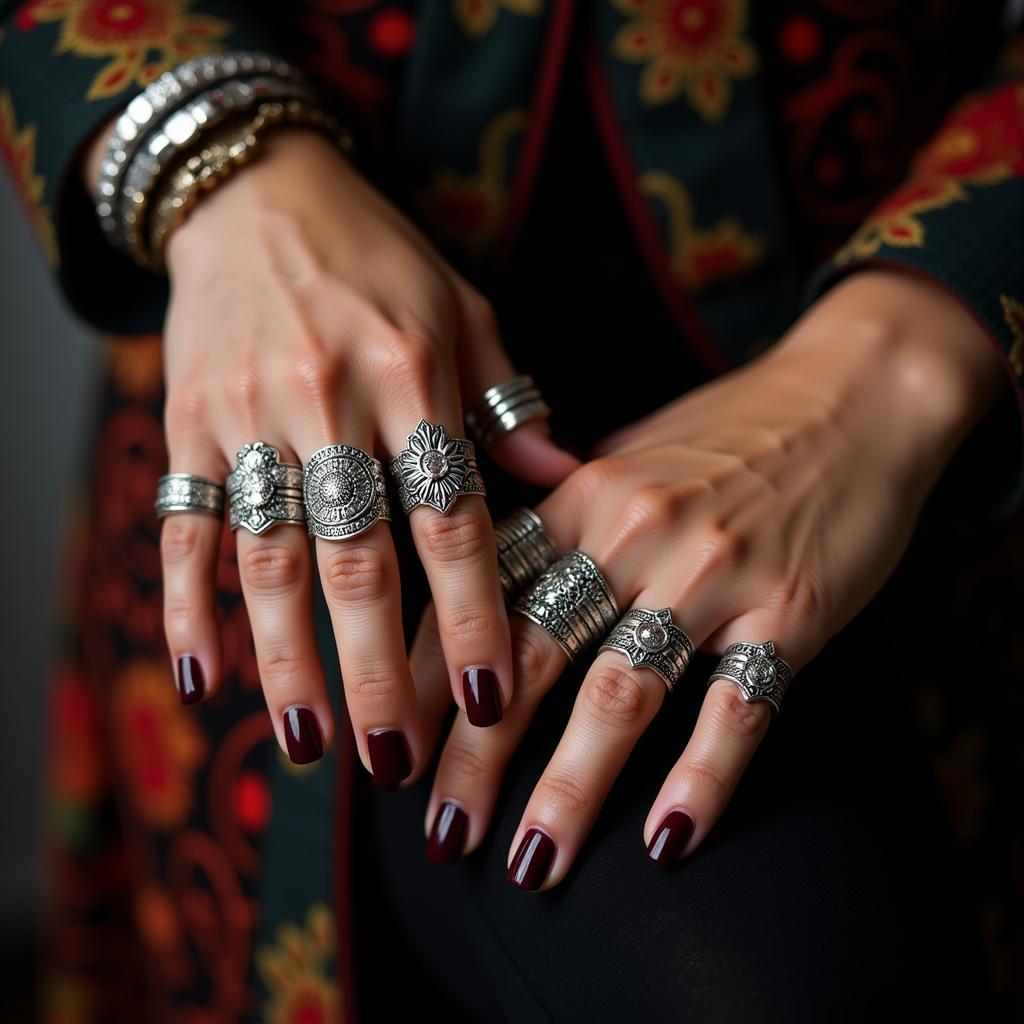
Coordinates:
769 504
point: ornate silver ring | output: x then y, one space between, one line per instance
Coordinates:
344 492
757 670
434 469
571 599
183 492
650 639
263 490
524 550
506 406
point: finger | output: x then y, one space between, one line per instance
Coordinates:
276 572
189 545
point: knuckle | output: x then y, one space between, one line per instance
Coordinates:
356 573
468 627
562 792
650 511
280 664
406 362
185 410
729 711
593 480
804 596
270 568
243 387
317 378
702 775
180 616
615 696
372 684
530 653
454 537
179 539
480 313
463 761
716 547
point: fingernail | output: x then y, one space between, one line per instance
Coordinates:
530 865
670 837
389 759
482 696
191 686
302 735
448 834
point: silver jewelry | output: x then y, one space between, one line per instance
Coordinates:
506 406
571 599
263 490
524 550
344 491
183 492
434 469
757 670
650 639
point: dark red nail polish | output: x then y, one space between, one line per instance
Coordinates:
671 836
389 758
448 834
302 735
530 865
191 685
483 698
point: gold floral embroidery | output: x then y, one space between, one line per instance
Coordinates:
470 209
696 47
295 971
1013 311
142 38
699 257
476 17
18 147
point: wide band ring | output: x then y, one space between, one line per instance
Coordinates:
757 670
435 469
650 639
183 492
263 490
572 601
524 550
506 406
344 491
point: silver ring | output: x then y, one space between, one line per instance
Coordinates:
183 492
263 490
434 469
344 492
757 670
650 639
506 406
571 599
524 550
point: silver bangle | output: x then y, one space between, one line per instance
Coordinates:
506 406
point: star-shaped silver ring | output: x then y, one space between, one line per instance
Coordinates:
435 468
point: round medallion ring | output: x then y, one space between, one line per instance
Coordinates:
434 469
757 670
263 490
344 492
650 639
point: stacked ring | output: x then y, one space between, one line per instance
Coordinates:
184 492
264 491
572 601
344 492
435 469
649 638
524 550
757 670
506 406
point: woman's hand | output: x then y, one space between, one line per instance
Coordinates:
305 311
770 504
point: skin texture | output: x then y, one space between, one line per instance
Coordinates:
771 503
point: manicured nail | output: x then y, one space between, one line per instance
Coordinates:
483 698
530 865
302 735
191 686
448 834
389 758
670 837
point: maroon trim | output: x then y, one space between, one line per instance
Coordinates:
541 108
346 967
644 228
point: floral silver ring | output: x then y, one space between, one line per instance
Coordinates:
757 670
434 469
263 490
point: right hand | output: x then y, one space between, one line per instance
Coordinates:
306 310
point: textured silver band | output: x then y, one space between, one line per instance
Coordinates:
506 406
434 469
183 492
571 599
263 490
524 550
757 670
649 639
345 492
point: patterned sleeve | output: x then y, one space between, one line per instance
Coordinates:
66 66
958 217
